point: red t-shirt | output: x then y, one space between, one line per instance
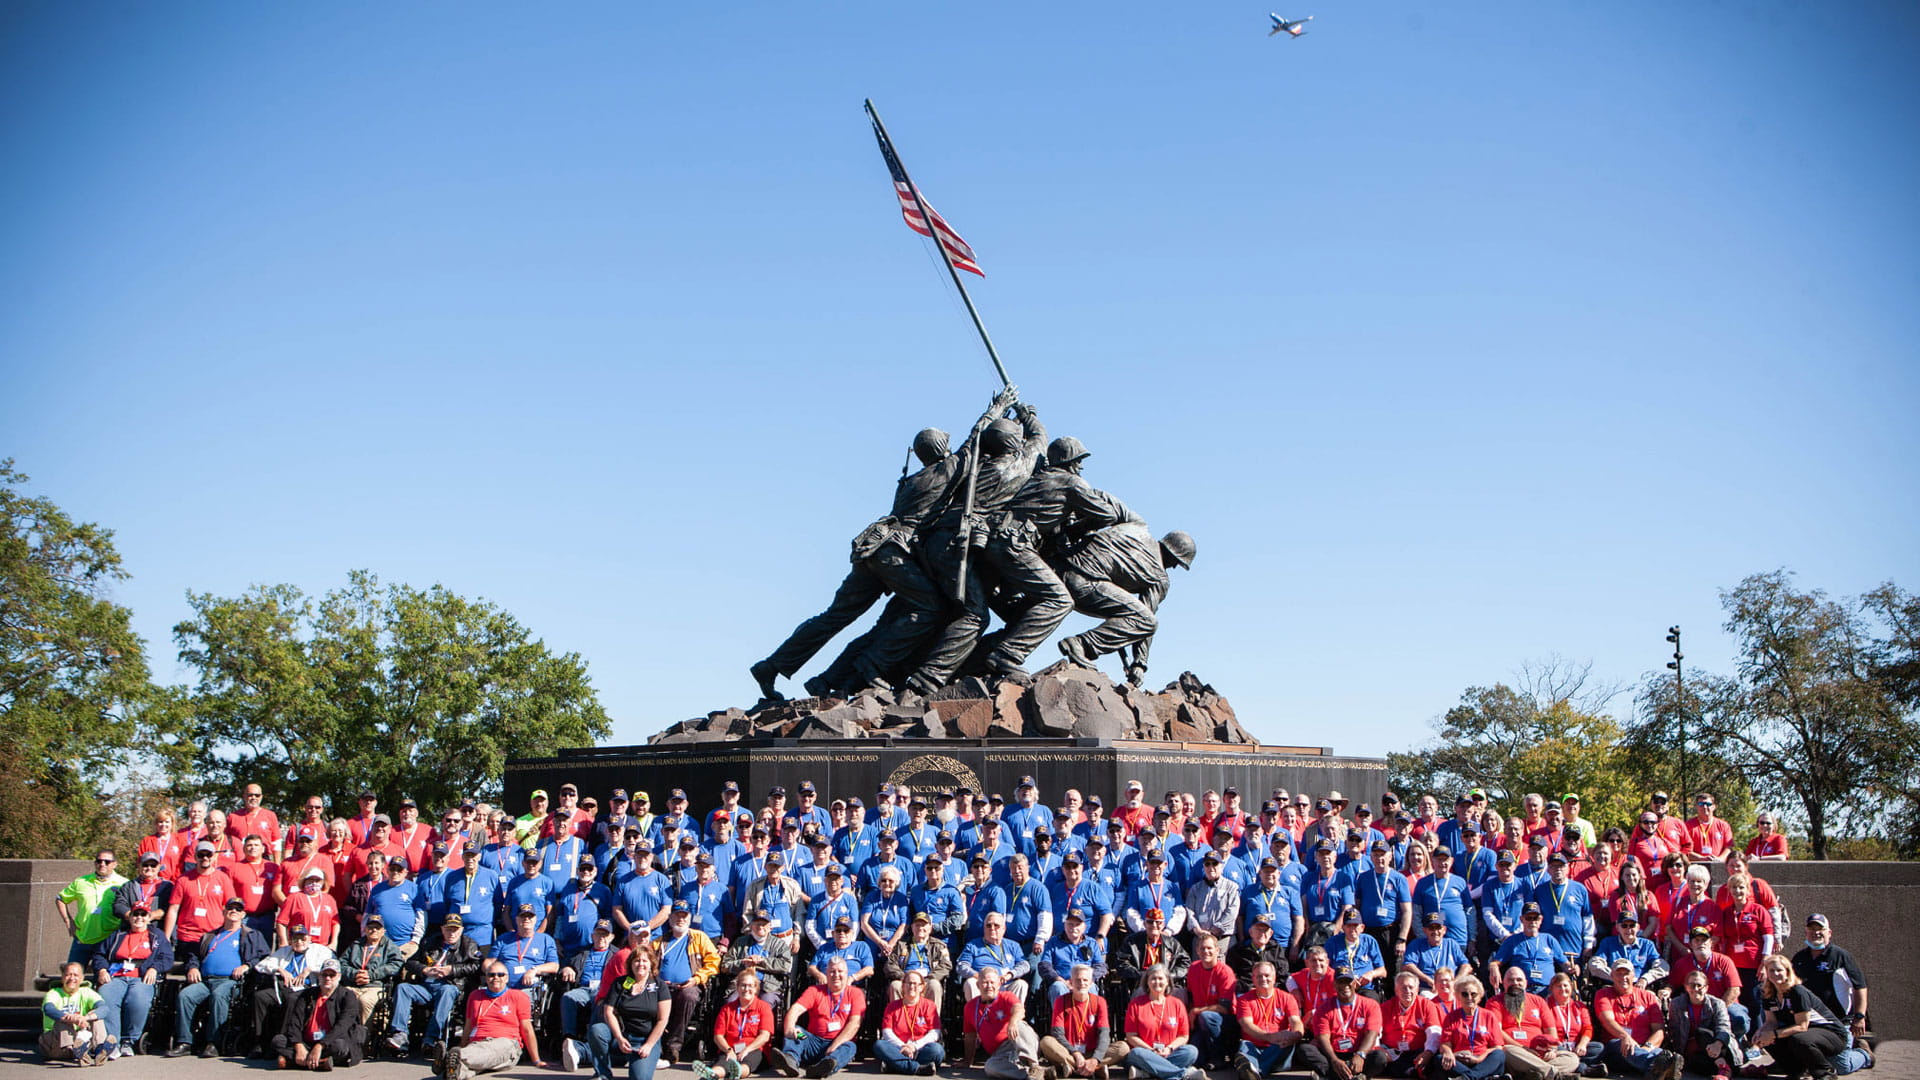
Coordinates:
417 843
201 900
1711 838
261 823
1213 987
358 826
911 1022
742 1022
317 1023
1649 911
1404 1029
828 1013
1134 817
1156 1023
1345 1024
1599 880
1771 844
1637 1011
1534 1027
1271 1014
134 947
1761 893
253 884
1311 992
1079 1020
989 1019
318 913
293 871
1686 914
1722 975
357 864
1574 1023
1741 933
1474 1031
497 1017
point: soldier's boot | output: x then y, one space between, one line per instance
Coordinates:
763 673
1076 650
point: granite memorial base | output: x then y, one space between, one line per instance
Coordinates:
857 767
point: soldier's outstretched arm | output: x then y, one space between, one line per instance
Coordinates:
1036 431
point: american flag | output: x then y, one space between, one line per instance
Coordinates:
956 248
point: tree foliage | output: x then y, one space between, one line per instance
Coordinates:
393 689
1549 733
73 675
1818 715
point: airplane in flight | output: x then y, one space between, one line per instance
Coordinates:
1294 28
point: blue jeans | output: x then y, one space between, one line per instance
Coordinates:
1641 1062
1740 1020
81 954
1852 1059
1493 1064
603 1050
573 1003
1172 1067
443 996
123 1007
1215 1036
1266 1059
809 1049
222 990
893 1060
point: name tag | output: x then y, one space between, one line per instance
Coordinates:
1343 1045
259 889
466 909
518 971
199 913
555 868
833 1027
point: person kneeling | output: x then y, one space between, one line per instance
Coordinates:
322 1028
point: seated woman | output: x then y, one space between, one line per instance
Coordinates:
1796 1027
740 1032
909 1042
127 965
1470 1040
1156 1032
633 1017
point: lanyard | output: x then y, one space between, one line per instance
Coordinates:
744 1018
838 1005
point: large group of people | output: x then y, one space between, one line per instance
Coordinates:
932 930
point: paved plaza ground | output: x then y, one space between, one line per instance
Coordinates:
1898 1061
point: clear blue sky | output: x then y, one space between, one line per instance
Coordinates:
1458 335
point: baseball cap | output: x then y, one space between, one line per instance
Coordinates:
406 802
1530 908
1504 857
619 795
204 848
921 916
1135 785
1571 796
1434 918
148 858
1264 919
1343 973
680 906
382 819
1025 781
641 796
843 923
1817 919
299 930
1350 918
676 793
1623 964
440 847
453 919
833 870
375 920
236 902
1627 917
1557 856
1073 915
331 966
774 859
603 925
762 915
526 909
314 872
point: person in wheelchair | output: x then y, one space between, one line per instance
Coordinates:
127 966
529 953
371 963
583 971
919 951
688 961
767 956
322 1028
438 976
217 969
285 972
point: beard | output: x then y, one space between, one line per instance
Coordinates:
1515 1000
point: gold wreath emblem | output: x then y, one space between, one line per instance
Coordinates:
941 770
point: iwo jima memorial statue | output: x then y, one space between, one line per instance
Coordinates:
1006 526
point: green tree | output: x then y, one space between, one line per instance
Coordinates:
1549 733
393 689
73 676
1807 720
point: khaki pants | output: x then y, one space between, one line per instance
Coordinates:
487 1055
1017 1057
64 1042
369 996
1060 1055
1527 1064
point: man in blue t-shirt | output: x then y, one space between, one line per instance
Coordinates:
1530 949
527 952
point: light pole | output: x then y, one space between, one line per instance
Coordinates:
1680 705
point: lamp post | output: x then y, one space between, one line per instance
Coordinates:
1679 704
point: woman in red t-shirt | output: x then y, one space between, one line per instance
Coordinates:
740 1032
1574 1020
1768 845
1470 1039
1156 1029
909 1041
1745 934
1632 895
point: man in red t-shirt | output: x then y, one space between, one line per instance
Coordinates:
1708 837
1271 1028
995 1022
1211 984
1134 811
1531 1034
1410 1026
252 819
199 898
1723 978
1633 1025
499 1027
306 856
1346 1033
833 1011
1077 1041
256 882
413 837
360 824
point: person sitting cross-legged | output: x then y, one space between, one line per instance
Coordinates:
322 1026
995 1021
1077 1041
909 1041
1157 1033
499 1028
70 1025
833 1011
741 1031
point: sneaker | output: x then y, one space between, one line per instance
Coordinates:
1244 1070
733 1070
397 1042
781 1063
570 1056
823 1068
703 1070
118 1052
1195 1073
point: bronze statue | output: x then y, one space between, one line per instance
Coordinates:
1119 574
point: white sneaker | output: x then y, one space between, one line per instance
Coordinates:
569 1055
118 1052
1195 1073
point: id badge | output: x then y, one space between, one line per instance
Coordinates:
517 972
833 1027
1344 1045
554 869
466 909
199 913
259 890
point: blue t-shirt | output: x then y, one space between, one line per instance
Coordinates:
1430 958
475 901
710 904
1538 954
575 910
887 914
642 896
397 905
940 904
1322 898
1025 904
858 955
1446 895
522 955
1362 955
223 952
1280 902
1379 896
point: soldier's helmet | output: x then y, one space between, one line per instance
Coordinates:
1003 437
1064 451
930 445
1180 545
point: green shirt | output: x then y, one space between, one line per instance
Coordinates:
92 897
83 1001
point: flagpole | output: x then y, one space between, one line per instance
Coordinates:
880 129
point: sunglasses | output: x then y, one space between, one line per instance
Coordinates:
108 862
496 974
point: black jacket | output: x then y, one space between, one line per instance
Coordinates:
464 958
345 1035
